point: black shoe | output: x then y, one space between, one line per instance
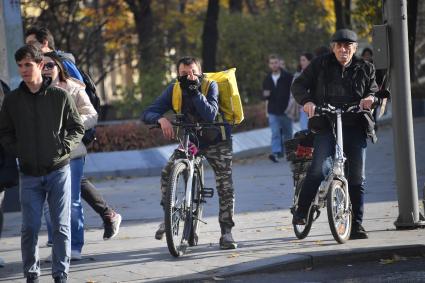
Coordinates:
273 157
159 234
32 278
60 279
358 232
298 219
227 242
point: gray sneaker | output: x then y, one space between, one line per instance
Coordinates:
227 242
159 234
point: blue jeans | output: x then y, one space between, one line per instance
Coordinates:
355 144
57 186
280 125
77 213
303 120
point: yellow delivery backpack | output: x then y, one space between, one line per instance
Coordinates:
229 100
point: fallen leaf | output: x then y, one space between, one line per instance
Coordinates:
387 261
233 255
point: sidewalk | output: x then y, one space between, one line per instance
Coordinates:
263 229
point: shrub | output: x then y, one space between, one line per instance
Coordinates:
135 135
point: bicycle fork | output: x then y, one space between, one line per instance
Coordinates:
338 164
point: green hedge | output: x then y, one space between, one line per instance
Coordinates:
136 135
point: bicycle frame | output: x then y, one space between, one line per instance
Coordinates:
190 162
337 170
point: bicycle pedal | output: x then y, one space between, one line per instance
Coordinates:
207 192
196 218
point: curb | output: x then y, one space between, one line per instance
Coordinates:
302 261
326 258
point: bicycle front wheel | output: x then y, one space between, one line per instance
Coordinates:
177 215
338 216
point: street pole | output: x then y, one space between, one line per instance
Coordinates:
409 216
11 38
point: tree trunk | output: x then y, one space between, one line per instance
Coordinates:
347 13
142 13
252 7
183 39
339 12
235 6
412 13
210 36
342 14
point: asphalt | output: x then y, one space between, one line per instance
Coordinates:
263 228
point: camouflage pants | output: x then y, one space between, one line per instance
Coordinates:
219 156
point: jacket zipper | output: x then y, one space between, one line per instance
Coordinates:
36 131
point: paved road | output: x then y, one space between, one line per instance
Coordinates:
263 228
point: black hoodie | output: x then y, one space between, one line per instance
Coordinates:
40 128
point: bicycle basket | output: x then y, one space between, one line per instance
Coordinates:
300 147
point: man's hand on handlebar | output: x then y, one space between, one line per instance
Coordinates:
167 128
309 108
366 103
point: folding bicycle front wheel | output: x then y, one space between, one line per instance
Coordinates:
338 216
178 218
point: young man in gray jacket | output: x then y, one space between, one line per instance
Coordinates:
40 124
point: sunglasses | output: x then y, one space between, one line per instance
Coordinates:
49 66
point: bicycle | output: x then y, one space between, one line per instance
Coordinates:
333 190
186 193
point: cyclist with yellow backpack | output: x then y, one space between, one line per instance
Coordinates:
197 98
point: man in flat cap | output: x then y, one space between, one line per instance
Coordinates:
337 78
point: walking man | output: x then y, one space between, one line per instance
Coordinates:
276 90
41 125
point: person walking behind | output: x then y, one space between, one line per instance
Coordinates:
43 38
40 124
4 89
337 78
294 107
54 69
214 145
276 90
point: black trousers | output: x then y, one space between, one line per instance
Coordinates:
94 198
1 210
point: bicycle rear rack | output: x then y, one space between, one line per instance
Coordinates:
207 192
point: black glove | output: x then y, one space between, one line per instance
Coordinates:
191 86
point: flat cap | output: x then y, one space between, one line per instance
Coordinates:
344 35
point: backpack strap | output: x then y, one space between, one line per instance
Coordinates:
204 88
177 98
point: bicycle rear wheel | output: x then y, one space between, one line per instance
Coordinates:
178 218
301 231
339 218
197 205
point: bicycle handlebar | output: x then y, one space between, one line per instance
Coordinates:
197 125
190 125
330 109
345 108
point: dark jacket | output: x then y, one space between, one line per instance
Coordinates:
41 128
197 108
325 81
279 93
